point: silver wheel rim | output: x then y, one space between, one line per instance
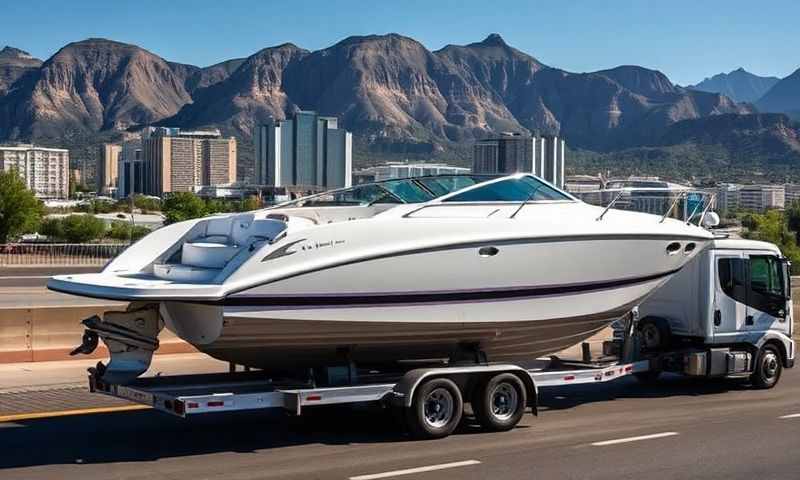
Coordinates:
504 400
769 365
438 407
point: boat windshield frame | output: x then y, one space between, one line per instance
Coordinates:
418 183
421 184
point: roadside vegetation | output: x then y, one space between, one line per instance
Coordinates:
20 210
182 206
779 227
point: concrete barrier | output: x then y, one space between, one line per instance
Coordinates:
50 333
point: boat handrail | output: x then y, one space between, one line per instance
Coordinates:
610 204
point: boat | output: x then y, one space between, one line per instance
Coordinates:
446 268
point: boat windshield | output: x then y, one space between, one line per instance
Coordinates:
513 189
405 190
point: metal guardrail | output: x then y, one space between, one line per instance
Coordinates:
44 254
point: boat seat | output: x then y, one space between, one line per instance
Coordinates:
184 273
224 237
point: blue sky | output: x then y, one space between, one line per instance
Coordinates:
687 40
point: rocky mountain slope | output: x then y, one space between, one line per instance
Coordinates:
783 97
771 137
91 86
739 85
14 63
391 88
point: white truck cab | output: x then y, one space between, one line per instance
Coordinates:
731 311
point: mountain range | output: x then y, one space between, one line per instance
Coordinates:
391 91
739 85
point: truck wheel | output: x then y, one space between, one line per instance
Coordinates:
654 334
499 403
435 410
767 369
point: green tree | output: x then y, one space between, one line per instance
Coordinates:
125 231
793 219
53 228
20 210
182 206
82 228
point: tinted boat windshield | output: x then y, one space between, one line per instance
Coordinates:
515 189
405 190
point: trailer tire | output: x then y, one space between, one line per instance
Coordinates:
436 409
767 368
499 402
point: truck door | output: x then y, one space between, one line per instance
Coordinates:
766 294
730 298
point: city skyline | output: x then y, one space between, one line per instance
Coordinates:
575 37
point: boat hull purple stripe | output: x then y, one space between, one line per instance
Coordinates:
438 297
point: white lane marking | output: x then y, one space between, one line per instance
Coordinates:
794 415
409 471
634 439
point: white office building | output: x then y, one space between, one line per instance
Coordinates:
759 198
306 153
44 170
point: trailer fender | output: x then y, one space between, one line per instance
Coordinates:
464 377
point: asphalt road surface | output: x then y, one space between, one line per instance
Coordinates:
680 429
37 276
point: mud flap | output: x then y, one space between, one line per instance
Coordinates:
131 337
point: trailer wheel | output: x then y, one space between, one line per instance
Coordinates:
499 402
767 369
435 410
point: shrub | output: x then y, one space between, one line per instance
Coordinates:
82 228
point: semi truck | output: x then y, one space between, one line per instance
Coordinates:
726 314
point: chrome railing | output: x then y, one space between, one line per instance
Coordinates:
44 254
683 205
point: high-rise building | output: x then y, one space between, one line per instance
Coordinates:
758 198
516 153
306 153
106 171
44 170
131 170
184 161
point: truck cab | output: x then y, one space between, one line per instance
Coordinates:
727 313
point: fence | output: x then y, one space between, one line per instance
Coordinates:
43 254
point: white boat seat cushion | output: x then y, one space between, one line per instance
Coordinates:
256 230
207 254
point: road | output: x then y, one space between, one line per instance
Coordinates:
37 276
680 429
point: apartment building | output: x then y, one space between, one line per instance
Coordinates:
185 161
44 170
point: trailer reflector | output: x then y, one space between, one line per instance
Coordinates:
314 398
569 378
216 403
192 405
178 407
